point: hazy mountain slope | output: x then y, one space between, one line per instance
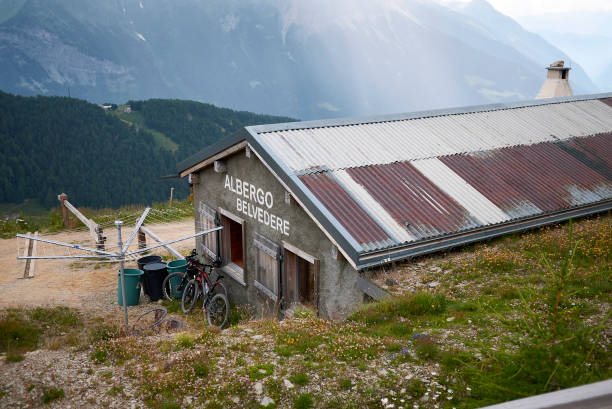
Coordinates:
586 37
505 30
296 58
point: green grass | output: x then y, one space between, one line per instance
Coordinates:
49 395
14 358
115 390
260 371
201 369
24 330
33 217
299 378
136 119
345 383
303 401
184 340
99 356
103 332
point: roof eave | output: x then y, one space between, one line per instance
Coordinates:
210 151
422 247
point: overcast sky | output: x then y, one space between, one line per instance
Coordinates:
517 8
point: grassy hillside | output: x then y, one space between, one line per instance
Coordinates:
51 145
518 316
190 125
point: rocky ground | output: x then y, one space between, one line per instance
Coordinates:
455 322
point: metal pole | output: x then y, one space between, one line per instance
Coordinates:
118 223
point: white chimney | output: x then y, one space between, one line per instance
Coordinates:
557 82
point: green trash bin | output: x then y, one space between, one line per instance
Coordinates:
176 266
132 286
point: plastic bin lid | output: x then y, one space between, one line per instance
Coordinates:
151 257
155 266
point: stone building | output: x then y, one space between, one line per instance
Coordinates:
307 206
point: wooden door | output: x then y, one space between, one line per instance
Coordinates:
290 278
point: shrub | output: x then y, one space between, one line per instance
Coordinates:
17 334
99 356
49 395
345 383
14 358
260 371
103 332
426 347
185 340
201 369
303 401
299 378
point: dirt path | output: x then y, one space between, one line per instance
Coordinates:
72 283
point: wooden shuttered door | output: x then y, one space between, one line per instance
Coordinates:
300 278
209 245
267 266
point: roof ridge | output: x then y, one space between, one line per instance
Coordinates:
376 119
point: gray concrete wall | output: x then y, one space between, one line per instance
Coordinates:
338 292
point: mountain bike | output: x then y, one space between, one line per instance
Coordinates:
174 284
213 294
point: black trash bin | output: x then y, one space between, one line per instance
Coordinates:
146 260
154 274
143 261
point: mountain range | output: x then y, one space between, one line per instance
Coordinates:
305 59
586 36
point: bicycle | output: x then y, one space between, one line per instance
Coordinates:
174 284
214 295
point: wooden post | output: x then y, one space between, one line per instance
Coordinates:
101 239
29 251
171 194
160 241
65 214
142 240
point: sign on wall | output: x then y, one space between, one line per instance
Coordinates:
256 203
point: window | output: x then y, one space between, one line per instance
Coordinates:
232 245
300 278
208 245
266 276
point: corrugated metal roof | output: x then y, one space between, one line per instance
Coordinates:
407 180
339 147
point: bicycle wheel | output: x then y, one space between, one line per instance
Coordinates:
220 289
190 296
173 286
217 311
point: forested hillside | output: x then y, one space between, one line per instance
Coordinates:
193 125
51 145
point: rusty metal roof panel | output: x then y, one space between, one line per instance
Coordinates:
491 185
594 151
526 180
347 211
339 147
413 200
